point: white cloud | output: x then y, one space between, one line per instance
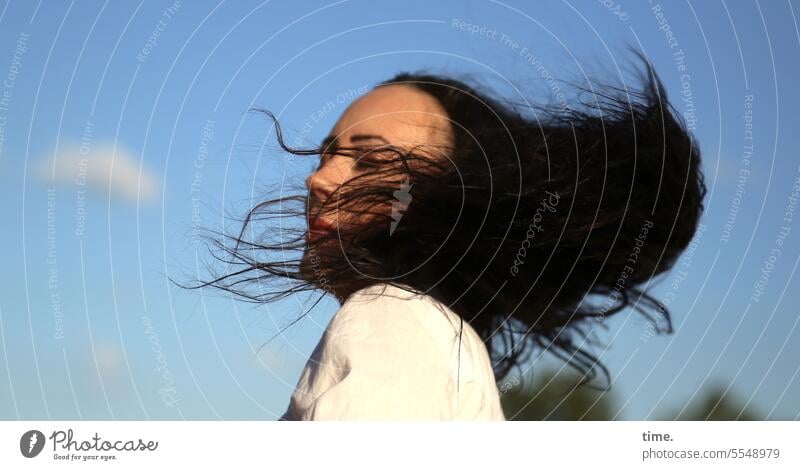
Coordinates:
101 167
109 359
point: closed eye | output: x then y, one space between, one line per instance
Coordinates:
371 157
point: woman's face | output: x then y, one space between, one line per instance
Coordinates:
400 116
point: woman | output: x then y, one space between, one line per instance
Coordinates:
461 232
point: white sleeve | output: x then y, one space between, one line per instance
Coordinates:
376 361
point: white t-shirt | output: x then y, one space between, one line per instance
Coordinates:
388 354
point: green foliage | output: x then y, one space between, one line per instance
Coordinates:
716 405
555 397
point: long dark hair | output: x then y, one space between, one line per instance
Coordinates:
537 222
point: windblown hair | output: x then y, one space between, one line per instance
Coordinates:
538 222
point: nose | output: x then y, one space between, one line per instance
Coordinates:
318 187
329 176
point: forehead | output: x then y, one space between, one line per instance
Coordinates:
401 114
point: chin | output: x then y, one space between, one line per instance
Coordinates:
312 265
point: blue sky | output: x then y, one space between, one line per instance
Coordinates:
155 94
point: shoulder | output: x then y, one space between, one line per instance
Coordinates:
381 313
394 322
390 312
390 353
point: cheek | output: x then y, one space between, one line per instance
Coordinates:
332 173
368 217
360 222
343 170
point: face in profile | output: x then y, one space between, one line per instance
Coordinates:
398 117
477 226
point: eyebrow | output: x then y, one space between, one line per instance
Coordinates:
360 137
